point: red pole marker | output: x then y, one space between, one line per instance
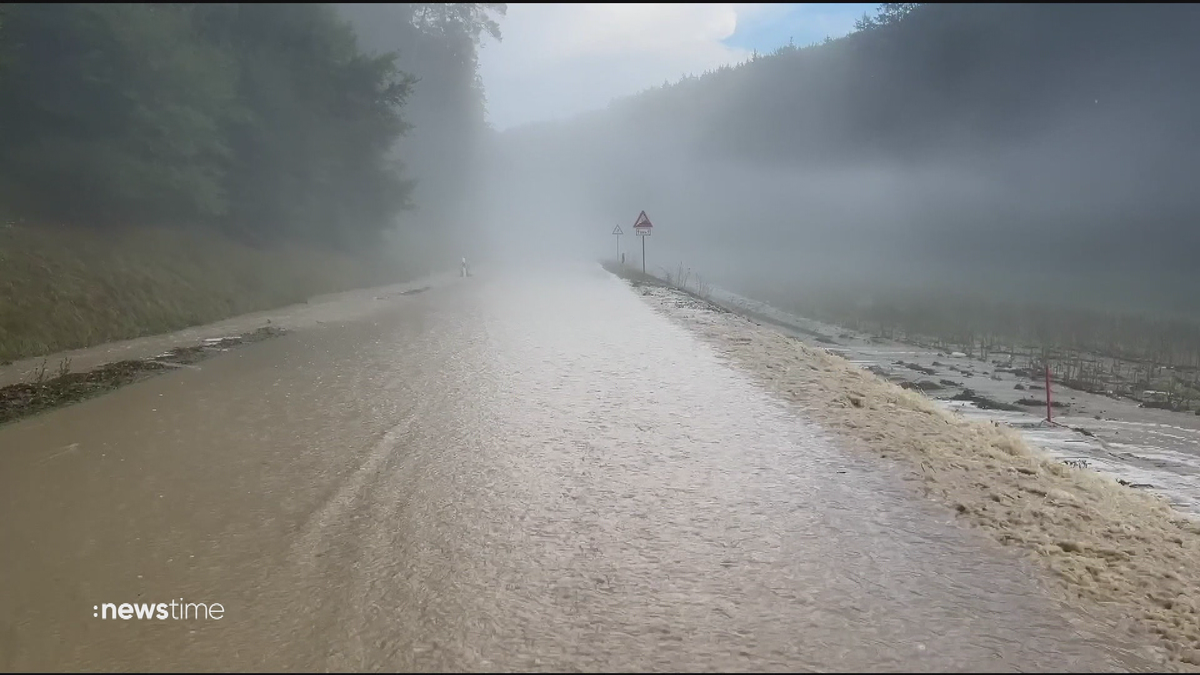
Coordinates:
1049 416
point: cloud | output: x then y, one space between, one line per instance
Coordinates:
557 60
769 26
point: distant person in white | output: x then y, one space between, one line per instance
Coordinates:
464 269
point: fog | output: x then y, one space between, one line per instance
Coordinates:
1055 164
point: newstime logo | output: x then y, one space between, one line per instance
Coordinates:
161 611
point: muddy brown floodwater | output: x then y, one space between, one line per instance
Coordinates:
532 472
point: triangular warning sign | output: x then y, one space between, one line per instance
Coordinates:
617 230
642 221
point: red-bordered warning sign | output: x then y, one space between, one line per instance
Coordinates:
642 222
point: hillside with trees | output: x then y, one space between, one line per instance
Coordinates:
942 155
438 45
935 132
250 127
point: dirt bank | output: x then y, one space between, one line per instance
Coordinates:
1121 556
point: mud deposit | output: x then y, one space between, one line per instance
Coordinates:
60 387
1121 556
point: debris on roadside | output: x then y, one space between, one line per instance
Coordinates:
64 387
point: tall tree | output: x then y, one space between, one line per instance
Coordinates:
310 152
439 44
113 111
264 119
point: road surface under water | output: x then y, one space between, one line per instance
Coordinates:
506 472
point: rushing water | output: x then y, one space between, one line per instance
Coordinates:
514 471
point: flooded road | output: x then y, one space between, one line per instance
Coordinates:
505 472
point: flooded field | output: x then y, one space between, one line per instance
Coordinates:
1156 450
531 471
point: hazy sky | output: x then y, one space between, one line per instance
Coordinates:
557 60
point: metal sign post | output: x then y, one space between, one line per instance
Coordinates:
617 231
641 227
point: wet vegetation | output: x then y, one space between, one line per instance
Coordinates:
54 389
63 288
983 402
1152 359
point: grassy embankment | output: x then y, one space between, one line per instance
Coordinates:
66 288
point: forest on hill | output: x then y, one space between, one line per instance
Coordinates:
942 155
1012 127
438 44
265 121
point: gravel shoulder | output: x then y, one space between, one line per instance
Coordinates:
1123 557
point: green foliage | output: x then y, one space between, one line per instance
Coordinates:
70 287
470 19
310 152
263 120
112 111
438 44
888 13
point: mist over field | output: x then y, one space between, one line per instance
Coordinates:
1019 152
